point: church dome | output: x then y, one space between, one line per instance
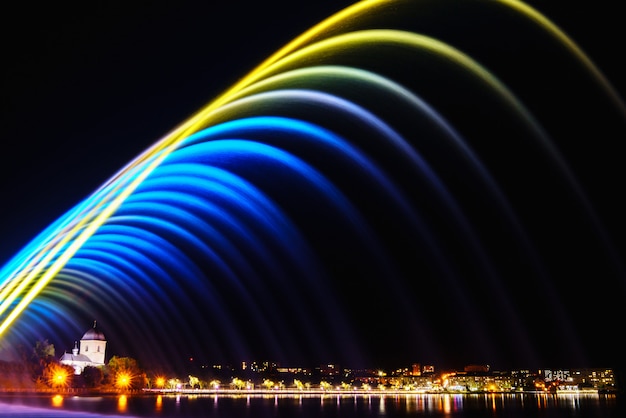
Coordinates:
93 334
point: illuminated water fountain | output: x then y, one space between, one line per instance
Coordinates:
393 175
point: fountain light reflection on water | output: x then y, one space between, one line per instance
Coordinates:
122 403
406 404
446 404
57 401
320 405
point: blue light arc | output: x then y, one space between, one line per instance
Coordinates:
377 162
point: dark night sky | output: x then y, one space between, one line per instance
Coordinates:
85 90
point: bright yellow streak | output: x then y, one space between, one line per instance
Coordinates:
570 45
38 258
58 264
157 153
364 39
289 54
411 40
8 287
351 12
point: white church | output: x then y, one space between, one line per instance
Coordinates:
90 353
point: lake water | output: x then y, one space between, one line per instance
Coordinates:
323 406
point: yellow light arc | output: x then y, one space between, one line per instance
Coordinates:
55 254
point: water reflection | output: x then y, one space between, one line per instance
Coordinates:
122 403
326 405
57 401
158 407
450 404
446 404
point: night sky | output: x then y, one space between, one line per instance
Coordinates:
84 90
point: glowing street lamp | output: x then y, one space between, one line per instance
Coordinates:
59 379
59 376
160 382
123 380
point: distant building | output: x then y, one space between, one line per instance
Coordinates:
593 378
428 369
416 370
480 368
91 352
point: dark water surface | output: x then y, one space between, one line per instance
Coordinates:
325 406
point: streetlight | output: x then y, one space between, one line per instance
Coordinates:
59 380
58 377
160 382
123 380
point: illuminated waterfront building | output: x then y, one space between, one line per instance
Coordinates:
588 378
91 352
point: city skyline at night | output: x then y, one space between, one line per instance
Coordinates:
78 372
405 180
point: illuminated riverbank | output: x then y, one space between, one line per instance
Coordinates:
345 403
353 392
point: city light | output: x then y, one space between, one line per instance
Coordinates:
59 376
59 379
160 382
123 380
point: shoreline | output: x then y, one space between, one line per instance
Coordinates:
286 392
354 392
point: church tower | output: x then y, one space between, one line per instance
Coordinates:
93 345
